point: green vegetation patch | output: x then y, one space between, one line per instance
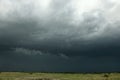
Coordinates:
58 76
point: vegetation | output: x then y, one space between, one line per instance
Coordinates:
58 76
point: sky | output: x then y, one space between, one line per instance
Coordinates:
60 35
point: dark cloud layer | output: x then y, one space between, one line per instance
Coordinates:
55 63
67 32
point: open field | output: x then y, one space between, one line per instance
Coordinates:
57 76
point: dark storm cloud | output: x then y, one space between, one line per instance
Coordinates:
54 30
53 27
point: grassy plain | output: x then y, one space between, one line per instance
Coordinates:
58 76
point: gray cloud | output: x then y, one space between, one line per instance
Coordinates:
25 23
65 29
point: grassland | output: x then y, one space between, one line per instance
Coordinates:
58 76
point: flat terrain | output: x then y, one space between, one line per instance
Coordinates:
57 76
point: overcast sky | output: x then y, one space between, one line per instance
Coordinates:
60 35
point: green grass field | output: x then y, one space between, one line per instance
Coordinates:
57 76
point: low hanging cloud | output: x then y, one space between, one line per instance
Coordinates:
27 51
73 28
